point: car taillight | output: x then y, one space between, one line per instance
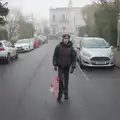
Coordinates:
2 49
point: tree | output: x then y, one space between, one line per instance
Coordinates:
12 22
3 33
106 20
26 28
3 12
88 16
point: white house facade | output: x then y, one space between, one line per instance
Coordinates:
65 19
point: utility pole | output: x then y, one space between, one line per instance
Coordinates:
118 38
118 25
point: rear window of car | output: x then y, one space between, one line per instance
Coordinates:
1 45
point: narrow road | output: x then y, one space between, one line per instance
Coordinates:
24 90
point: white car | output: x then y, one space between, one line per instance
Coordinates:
24 45
7 51
31 43
94 52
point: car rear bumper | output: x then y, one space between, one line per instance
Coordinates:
3 58
88 62
3 54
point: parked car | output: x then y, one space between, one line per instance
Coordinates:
24 45
7 51
36 43
41 40
45 39
31 43
94 52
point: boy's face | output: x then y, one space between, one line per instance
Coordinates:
66 39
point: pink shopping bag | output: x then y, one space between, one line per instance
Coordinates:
54 87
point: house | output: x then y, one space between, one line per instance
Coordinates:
65 19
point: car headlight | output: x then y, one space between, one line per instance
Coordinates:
111 54
86 54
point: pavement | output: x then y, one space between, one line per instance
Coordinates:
117 57
24 90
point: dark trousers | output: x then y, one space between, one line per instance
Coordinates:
63 75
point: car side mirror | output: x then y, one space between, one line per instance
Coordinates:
78 47
111 47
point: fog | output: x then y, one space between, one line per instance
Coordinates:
40 8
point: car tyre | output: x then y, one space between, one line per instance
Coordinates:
9 60
29 49
81 65
16 57
112 67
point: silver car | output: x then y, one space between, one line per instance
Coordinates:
94 52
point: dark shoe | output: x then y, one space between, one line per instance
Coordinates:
59 97
66 97
59 100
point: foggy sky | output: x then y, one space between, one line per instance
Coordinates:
40 8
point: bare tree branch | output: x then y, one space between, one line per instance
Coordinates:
12 19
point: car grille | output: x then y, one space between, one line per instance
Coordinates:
20 48
100 59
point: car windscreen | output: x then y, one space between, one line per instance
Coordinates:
22 41
95 43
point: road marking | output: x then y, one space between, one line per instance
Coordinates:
83 73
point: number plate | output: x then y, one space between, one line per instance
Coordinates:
100 63
19 48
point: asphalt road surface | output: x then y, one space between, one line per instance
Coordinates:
24 90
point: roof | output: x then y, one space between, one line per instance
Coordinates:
3 40
65 8
89 38
95 38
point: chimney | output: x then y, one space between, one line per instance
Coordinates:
70 3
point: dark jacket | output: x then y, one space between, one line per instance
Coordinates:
64 55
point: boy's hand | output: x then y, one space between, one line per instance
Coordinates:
55 68
71 70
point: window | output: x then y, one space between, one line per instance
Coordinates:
64 29
8 44
76 28
23 41
53 30
74 20
63 17
53 17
